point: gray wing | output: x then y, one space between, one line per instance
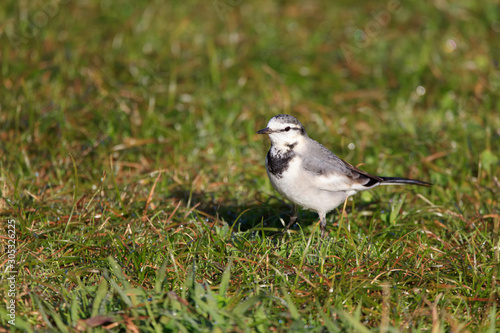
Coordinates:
321 161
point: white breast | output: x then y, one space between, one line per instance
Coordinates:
307 190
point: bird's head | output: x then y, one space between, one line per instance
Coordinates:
284 131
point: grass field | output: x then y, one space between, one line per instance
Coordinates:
134 195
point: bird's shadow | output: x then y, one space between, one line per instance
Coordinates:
267 216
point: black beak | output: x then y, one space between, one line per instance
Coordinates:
266 130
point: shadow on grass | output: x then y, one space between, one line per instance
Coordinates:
267 216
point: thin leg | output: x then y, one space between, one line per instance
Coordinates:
345 204
293 218
322 224
344 213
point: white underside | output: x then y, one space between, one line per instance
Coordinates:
319 193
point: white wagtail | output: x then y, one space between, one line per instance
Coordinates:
309 175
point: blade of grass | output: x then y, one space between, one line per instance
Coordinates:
226 276
101 292
294 313
160 275
75 191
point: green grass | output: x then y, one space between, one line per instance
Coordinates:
130 163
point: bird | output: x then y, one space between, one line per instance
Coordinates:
309 175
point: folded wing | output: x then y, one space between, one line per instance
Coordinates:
338 175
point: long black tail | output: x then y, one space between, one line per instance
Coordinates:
400 181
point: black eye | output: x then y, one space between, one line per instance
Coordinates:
287 129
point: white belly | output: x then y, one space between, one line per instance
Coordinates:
304 189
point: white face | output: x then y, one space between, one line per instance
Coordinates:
284 131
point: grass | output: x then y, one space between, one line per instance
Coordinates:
130 164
